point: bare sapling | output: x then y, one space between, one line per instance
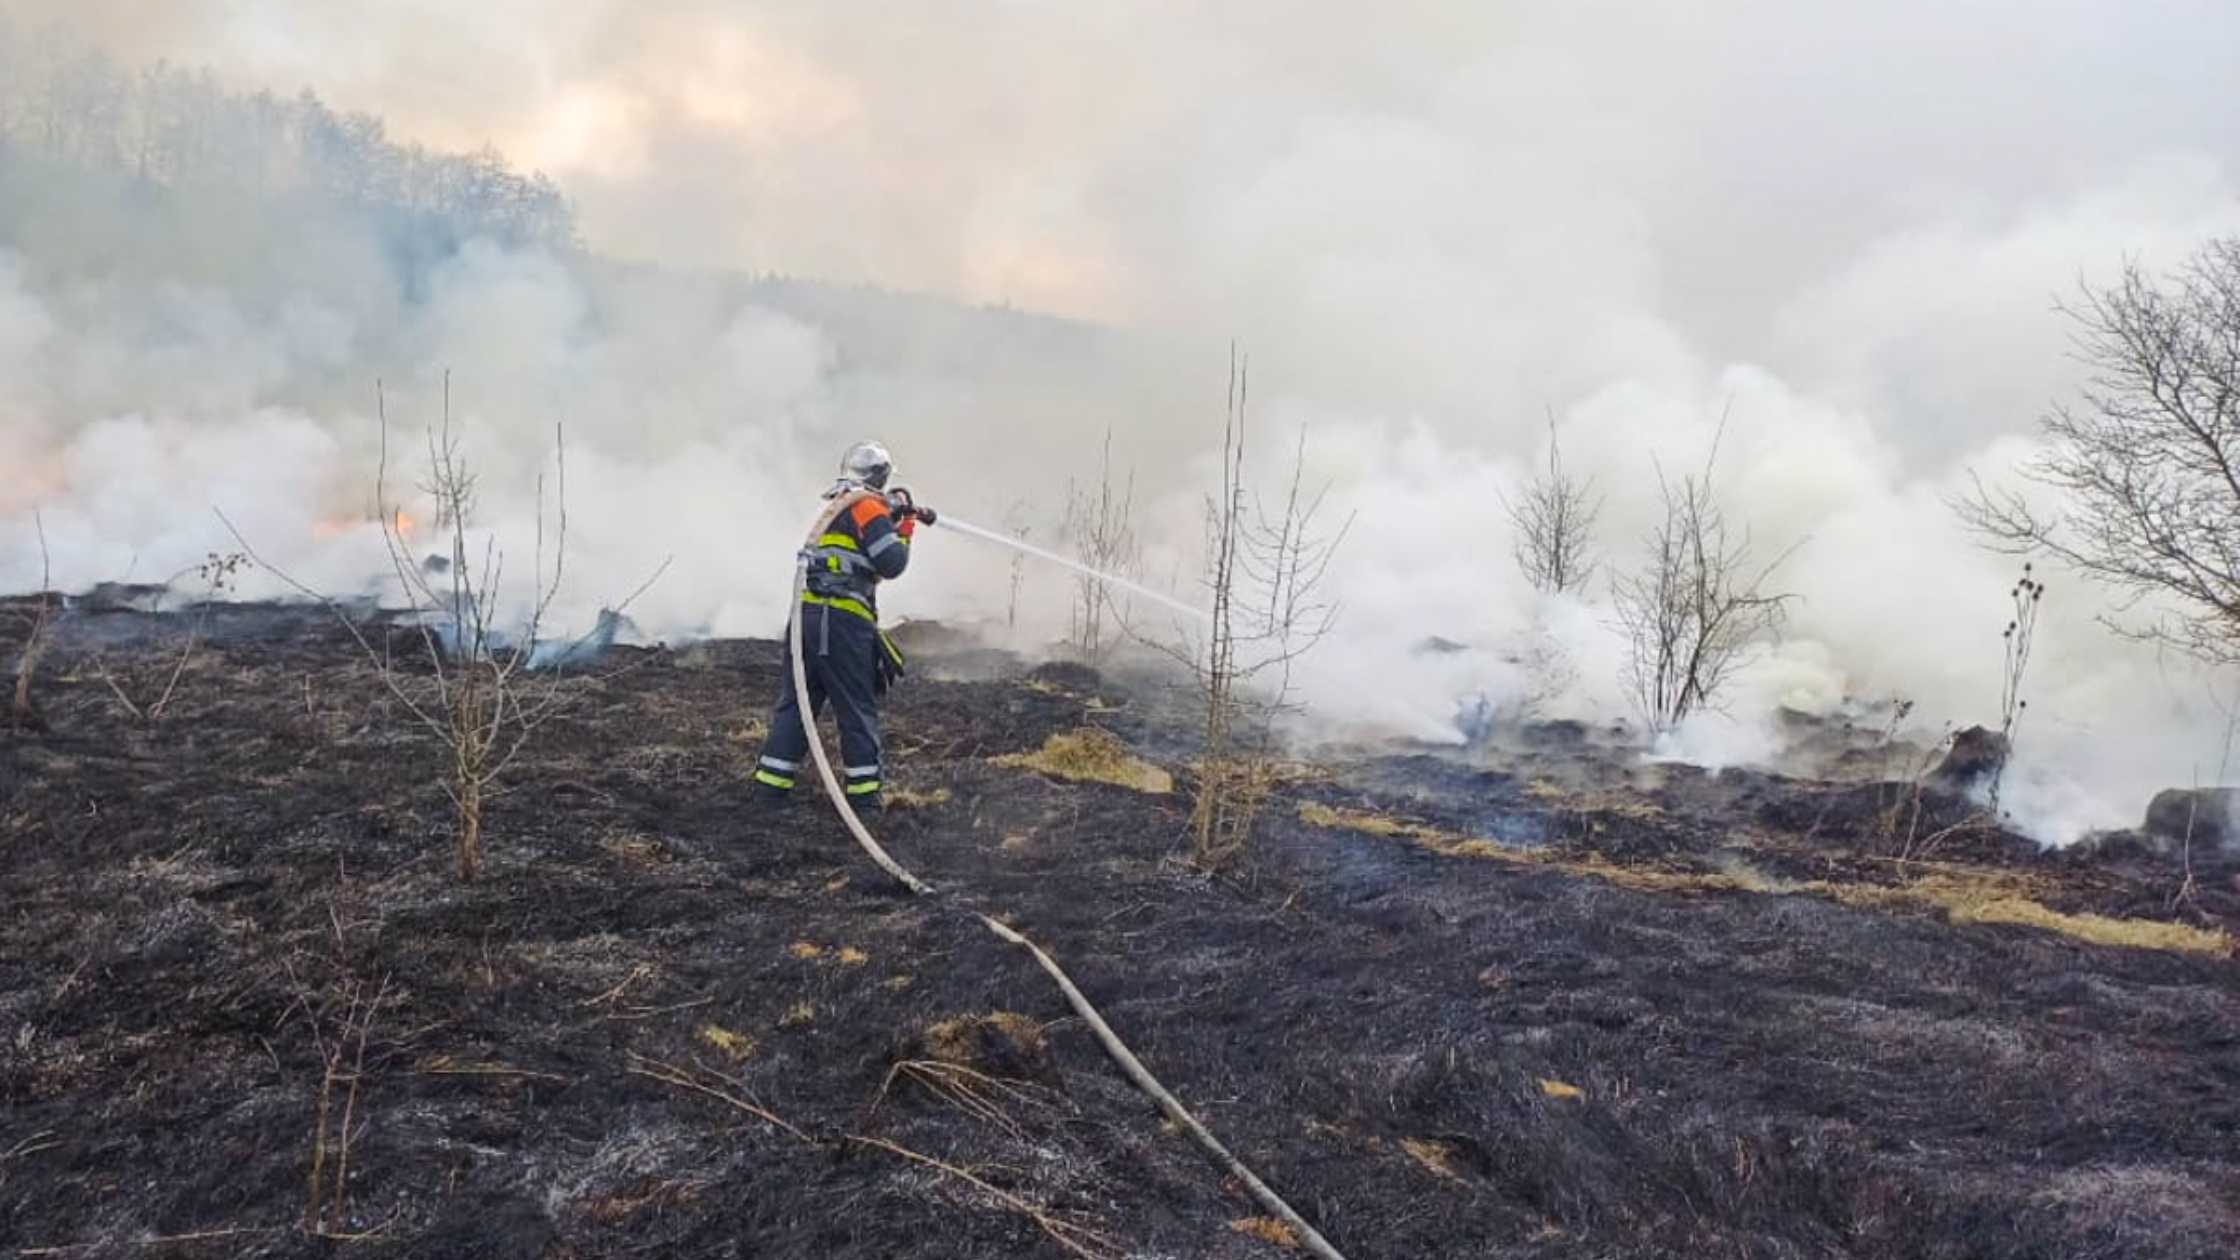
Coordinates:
1017 523
339 1011
1697 606
472 683
2021 636
1100 523
1265 565
340 1024
1554 518
23 711
2143 469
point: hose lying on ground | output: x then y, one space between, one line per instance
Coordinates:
1168 1103
1133 1067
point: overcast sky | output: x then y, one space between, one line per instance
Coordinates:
1465 201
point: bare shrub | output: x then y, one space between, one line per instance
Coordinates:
1697 606
1554 520
2145 467
1100 523
482 693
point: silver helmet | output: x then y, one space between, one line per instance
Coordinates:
869 463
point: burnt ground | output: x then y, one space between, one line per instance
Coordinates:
1532 1004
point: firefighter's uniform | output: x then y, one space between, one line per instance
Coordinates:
848 660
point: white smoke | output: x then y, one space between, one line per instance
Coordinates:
1844 234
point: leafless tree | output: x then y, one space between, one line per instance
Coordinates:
1265 565
1554 520
482 693
1100 523
23 713
1697 605
2145 466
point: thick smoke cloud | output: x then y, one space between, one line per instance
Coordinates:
1430 225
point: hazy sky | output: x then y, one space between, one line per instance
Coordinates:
1873 198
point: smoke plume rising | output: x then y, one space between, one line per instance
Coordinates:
1430 226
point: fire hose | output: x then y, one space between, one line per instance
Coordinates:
1129 1064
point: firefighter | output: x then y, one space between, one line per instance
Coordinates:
863 539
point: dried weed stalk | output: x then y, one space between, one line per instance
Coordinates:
23 713
217 572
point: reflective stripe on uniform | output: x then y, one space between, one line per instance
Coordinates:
862 772
887 543
778 781
863 789
837 540
781 765
844 604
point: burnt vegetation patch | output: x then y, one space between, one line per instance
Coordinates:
247 1009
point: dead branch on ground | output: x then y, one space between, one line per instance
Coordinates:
712 1084
1076 1239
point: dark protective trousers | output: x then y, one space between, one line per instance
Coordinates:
842 658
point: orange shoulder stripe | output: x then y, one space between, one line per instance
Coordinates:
869 510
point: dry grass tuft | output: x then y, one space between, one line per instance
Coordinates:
1966 900
640 852
1434 1155
1000 1043
1315 814
736 1046
650 1194
798 1015
850 956
1975 897
1268 1230
1089 755
805 950
1554 1088
904 798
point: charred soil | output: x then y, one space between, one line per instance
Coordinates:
1447 1009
